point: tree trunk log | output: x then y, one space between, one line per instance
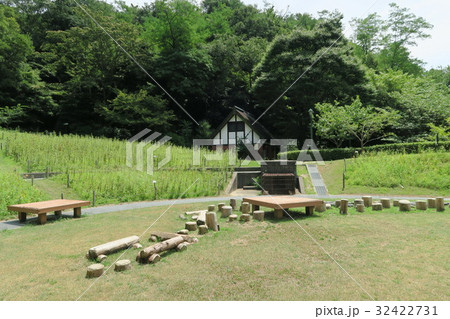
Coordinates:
232 218
191 226
360 208
182 246
421 205
95 270
404 205
122 265
226 211
201 219
395 203
245 208
357 202
113 246
258 215
233 203
440 204
367 201
377 206
202 229
344 206
386 202
153 259
211 208
219 206
211 221
160 247
245 217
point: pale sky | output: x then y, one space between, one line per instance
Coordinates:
435 51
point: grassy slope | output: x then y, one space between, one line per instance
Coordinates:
394 256
14 190
377 167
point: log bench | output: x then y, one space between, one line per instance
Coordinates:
42 208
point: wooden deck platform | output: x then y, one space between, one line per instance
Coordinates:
279 203
42 208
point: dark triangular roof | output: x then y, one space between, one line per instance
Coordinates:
247 118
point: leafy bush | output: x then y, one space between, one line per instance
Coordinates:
332 154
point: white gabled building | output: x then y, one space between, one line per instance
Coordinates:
238 125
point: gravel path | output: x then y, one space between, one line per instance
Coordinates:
14 224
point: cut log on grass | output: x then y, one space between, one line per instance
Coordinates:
201 219
219 206
122 265
183 232
153 239
320 208
395 203
358 201
211 221
153 259
165 236
191 226
195 212
101 258
404 205
421 205
367 201
182 246
233 203
360 208
440 204
232 218
245 208
160 247
278 213
202 229
377 206
431 202
337 203
194 217
258 215
137 246
95 270
113 246
343 207
226 211
211 208
245 217
385 202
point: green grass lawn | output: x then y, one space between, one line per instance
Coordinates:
426 174
394 256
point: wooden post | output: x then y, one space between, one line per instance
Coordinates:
28 166
232 218
211 221
431 202
202 229
367 201
377 206
226 211
62 195
42 218
245 217
395 203
357 202
404 205
440 204
360 208
219 206
233 203
77 212
245 208
211 208
191 226
201 219
344 206
32 179
386 202
68 181
421 205
278 214
22 217
343 181
309 210
46 172
93 198
258 215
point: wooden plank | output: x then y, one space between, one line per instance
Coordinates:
48 206
276 202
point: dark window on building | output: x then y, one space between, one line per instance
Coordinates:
236 126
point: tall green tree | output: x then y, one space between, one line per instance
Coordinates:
330 72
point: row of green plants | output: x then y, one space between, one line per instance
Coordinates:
91 164
428 170
333 154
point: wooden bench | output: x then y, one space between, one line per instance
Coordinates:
278 203
42 208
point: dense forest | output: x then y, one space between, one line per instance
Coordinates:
60 71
